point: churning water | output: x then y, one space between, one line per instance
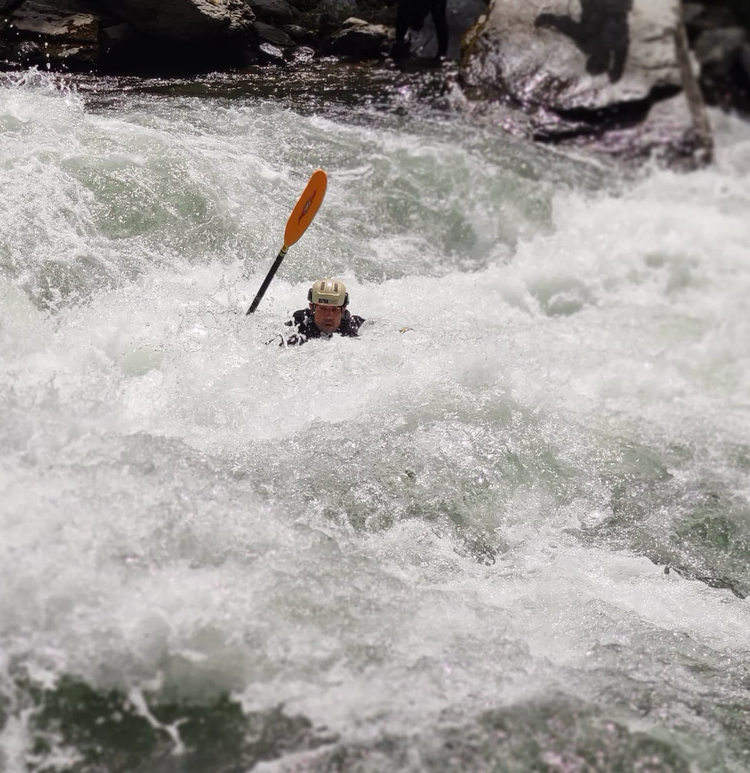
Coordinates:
506 529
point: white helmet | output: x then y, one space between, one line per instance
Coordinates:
330 292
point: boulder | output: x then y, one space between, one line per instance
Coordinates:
612 72
358 39
47 21
269 34
301 35
276 12
187 21
54 34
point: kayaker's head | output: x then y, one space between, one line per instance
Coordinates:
328 299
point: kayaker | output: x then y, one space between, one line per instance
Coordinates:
326 314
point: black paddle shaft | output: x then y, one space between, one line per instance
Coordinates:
267 280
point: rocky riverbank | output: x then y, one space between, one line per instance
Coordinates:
629 77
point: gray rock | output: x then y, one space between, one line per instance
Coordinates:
47 21
597 66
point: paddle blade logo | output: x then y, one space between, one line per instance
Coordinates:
306 207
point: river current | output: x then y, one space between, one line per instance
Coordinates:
505 529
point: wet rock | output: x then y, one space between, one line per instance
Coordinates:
614 74
29 53
303 55
357 39
270 54
48 21
50 33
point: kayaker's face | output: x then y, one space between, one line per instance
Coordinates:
327 318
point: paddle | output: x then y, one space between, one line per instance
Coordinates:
301 217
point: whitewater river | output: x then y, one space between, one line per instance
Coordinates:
506 529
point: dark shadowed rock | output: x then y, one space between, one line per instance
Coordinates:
745 60
339 10
613 73
720 48
6 6
187 20
273 35
719 35
301 35
724 77
277 12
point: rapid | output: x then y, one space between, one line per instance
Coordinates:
505 529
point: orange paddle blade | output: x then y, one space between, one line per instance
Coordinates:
305 209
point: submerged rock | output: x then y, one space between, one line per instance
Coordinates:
614 74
